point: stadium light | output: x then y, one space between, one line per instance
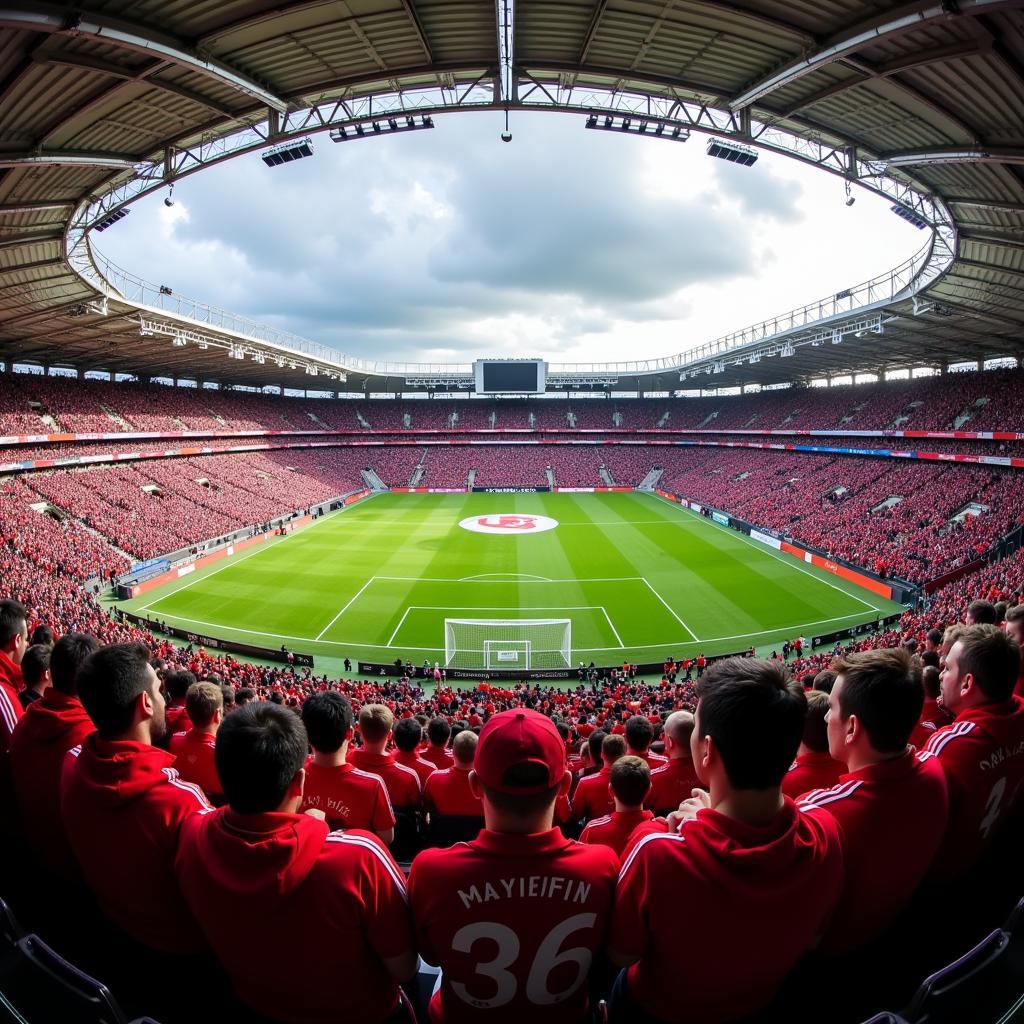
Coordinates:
908 215
638 126
787 350
179 341
113 218
390 126
732 151
287 152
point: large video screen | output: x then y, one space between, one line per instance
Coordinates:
502 376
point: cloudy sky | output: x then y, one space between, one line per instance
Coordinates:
569 244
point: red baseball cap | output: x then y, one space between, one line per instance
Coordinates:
519 737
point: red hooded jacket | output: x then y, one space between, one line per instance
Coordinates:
49 728
300 919
123 806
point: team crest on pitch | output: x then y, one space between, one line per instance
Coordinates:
519 524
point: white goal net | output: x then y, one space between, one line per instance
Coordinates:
510 644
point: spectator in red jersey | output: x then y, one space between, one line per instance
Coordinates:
814 767
349 798
408 734
49 729
437 752
824 681
674 781
448 791
13 644
227 693
630 783
592 798
639 733
933 715
981 613
176 684
888 792
982 752
516 896
741 863
1015 631
35 673
401 781
310 926
121 794
193 750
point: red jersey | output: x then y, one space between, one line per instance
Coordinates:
448 792
982 754
401 781
933 717
177 718
49 728
653 760
514 922
614 830
11 682
892 817
813 770
671 784
748 886
123 805
412 760
592 799
349 797
439 757
301 920
193 757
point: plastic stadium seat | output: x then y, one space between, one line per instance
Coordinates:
885 1017
408 834
966 989
447 829
43 987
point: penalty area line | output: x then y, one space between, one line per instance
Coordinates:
696 639
346 608
611 626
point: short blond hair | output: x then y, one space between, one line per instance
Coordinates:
375 721
202 702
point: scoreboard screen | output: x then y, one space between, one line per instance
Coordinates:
522 376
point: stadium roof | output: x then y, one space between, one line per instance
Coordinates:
107 100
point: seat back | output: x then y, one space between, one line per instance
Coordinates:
409 830
447 829
964 989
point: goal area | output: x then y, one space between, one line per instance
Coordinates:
511 645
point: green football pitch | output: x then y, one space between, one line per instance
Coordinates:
638 577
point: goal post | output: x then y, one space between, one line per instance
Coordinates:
510 644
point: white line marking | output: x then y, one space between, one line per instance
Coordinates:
611 625
696 639
785 559
572 579
346 608
508 577
399 626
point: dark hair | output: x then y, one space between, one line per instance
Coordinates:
407 734
824 681
563 728
934 636
13 621
993 658
631 779
755 713
66 660
883 689
815 727
522 805
983 613
613 746
34 664
109 683
931 681
438 731
245 695
594 741
327 717
227 693
639 732
1001 607
178 682
260 748
929 658
42 634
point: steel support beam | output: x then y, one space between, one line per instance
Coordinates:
115 161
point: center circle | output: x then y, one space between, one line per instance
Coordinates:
518 524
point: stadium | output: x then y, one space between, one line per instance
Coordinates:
473 679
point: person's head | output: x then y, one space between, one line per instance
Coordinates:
42 634
464 747
874 705
408 734
950 637
630 781
981 668
35 667
815 737
594 741
227 693
930 678
613 746
375 722
1015 624
981 613
438 731
327 717
584 753
260 753
563 730
245 695
748 724
933 639
66 660
929 658
519 771
824 681
1001 609
177 684
13 630
678 730
639 733
121 693
205 705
